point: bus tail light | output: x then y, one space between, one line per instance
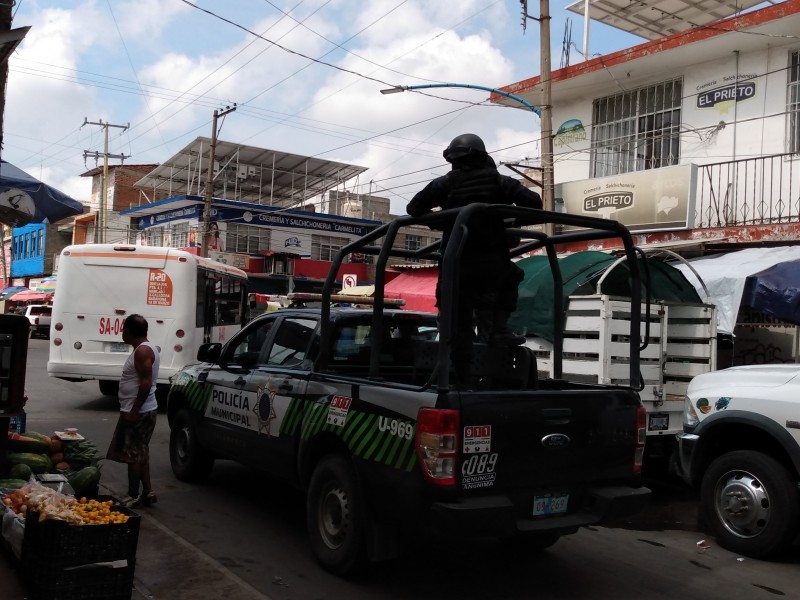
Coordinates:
641 437
58 326
437 445
77 345
57 341
180 333
177 347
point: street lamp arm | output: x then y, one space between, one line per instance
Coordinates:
403 88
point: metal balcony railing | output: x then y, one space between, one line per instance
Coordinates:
748 191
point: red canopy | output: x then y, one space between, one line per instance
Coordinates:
28 296
417 287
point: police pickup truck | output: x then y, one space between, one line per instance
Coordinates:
357 408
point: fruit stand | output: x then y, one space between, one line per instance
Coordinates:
68 541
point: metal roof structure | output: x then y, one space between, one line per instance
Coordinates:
654 19
245 173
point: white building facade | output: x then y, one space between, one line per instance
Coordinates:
694 135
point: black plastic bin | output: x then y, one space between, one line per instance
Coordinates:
80 562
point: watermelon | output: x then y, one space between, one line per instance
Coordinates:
25 443
38 436
85 480
20 471
39 463
12 484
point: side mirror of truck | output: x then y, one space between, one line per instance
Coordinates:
209 352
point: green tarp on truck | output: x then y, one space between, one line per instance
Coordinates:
580 273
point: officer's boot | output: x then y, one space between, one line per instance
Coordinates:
501 334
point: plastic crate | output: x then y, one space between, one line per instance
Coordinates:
18 424
57 544
100 583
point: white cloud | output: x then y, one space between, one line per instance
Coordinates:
285 103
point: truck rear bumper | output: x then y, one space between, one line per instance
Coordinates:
495 515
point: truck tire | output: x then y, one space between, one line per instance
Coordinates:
335 516
190 462
751 503
109 388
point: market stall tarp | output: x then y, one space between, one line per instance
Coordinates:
580 273
8 292
725 276
48 284
775 291
28 296
417 287
24 199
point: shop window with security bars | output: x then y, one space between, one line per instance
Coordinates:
247 239
155 236
637 130
325 247
413 243
793 104
180 235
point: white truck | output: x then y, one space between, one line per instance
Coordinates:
39 316
741 445
681 343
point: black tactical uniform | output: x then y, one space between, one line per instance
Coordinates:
488 279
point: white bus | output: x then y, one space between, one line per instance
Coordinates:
187 300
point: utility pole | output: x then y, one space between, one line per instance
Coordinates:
548 179
548 183
100 228
210 179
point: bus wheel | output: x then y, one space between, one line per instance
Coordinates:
335 516
190 462
109 388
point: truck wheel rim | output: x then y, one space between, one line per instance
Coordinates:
334 517
182 444
742 504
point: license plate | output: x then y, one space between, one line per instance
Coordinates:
118 347
658 422
550 505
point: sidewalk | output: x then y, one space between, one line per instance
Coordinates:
166 567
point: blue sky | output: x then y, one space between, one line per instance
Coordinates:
163 66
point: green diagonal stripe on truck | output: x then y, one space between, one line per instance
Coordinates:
379 441
403 461
361 430
197 394
292 419
353 419
360 433
393 451
369 434
313 420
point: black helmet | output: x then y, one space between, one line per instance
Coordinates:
464 145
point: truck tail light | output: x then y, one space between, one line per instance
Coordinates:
641 437
436 444
58 326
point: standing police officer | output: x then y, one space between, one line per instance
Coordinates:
488 277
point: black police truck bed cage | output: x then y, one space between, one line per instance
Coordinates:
380 243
